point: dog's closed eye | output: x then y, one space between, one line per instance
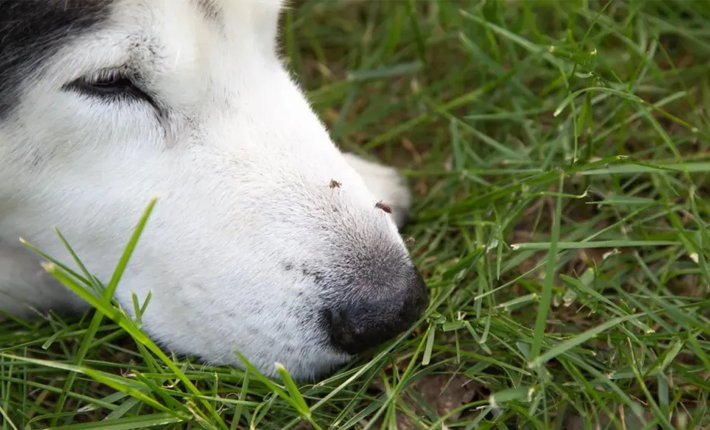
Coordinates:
109 85
114 85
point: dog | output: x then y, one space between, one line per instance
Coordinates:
266 238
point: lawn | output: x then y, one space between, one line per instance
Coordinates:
558 153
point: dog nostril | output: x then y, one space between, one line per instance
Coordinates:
375 318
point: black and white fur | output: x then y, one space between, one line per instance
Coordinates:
106 103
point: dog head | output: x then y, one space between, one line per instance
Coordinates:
265 238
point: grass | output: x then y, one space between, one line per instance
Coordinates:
559 155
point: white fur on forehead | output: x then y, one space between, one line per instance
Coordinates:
239 6
245 11
241 24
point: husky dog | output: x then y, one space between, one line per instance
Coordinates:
265 238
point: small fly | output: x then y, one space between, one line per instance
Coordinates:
385 207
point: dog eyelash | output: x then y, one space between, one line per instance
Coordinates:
105 76
109 84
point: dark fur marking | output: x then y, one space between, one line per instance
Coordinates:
209 9
317 275
258 309
32 31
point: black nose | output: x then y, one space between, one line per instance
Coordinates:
377 313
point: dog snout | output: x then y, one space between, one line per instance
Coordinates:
377 315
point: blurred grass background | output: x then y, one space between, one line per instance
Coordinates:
558 153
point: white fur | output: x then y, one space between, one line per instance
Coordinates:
242 168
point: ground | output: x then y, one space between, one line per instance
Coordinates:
559 155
